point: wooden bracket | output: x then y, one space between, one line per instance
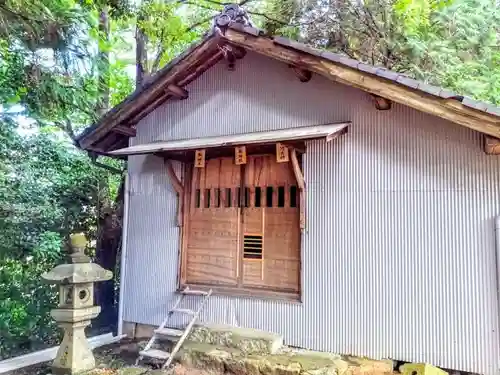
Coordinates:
120 129
179 189
491 145
302 187
304 75
382 104
239 52
177 91
330 137
228 54
231 54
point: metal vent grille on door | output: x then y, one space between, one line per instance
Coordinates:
252 246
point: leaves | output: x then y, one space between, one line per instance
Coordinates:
450 43
48 189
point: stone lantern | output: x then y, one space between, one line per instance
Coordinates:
76 306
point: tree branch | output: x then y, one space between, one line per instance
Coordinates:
199 23
201 5
205 6
268 18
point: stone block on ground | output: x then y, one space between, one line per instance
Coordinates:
249 341
132 370
420 369
204 356
367 366
219 359
239 351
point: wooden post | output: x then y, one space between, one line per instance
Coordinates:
302 186
189 172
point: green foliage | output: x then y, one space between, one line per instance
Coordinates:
450 43
25 301
460 49
48 189
58 61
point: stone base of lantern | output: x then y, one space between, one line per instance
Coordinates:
74 354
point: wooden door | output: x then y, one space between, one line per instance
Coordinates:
213 234
270 225
243 225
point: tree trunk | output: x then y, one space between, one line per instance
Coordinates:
109 221
141 57
108 251
103 65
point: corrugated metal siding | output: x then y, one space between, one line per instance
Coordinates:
399 253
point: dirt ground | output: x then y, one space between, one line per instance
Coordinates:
117 359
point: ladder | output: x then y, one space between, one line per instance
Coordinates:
168 333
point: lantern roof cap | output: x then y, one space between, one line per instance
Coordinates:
77 273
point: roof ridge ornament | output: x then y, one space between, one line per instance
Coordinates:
232 13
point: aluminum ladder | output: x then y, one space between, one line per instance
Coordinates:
169 333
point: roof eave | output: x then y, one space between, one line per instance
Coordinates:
151 90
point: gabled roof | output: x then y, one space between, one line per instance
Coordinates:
115 127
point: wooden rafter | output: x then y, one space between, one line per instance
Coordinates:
185 81
382 104
200 69
120 129
239 52
451 110
134 104
177 91
304 75
157 102
491 145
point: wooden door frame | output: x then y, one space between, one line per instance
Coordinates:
188 171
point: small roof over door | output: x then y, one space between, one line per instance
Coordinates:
328 131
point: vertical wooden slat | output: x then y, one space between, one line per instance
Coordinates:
287 195
201 186
195 173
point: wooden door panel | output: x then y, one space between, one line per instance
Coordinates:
203 269
282 274
253 273
212 241
271 212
